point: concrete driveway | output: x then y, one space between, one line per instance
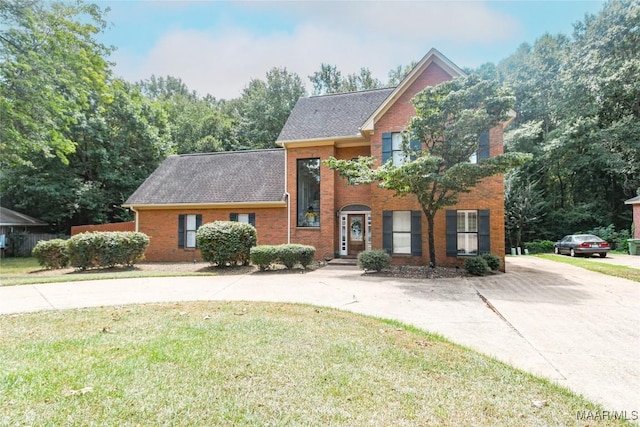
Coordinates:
578 328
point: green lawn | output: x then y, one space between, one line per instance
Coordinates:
593 265
21 271
257 364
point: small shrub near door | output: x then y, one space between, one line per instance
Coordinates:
224 243
51 253
376 260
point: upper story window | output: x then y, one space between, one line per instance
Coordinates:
308 192
392 148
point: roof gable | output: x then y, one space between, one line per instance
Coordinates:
226 177
331 116
432 57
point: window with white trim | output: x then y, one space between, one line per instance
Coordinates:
467 229
187 227
401 232
397 154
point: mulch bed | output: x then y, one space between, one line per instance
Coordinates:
420 272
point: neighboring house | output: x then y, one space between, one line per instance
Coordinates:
19 232
635 202
290 196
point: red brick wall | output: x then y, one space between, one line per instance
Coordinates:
636 221
116 226
162 228
489 194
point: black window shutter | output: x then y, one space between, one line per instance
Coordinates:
387 231
452 233
233 217
181 231
483 146
386 147
484 231
252 219
416 233
198 221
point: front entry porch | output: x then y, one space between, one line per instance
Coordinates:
355 226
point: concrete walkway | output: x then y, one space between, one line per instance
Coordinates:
578 328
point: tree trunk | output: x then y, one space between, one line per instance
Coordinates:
432 240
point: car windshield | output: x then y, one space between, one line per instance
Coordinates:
588 238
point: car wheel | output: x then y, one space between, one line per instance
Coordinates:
572 252
603 254
556 251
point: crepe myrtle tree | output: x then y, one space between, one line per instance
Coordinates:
450 119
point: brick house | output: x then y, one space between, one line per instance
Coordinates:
290 196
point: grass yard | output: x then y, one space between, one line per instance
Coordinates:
21 271
257 364
594 265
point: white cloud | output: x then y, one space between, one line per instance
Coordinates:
351 35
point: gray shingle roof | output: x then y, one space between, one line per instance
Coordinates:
227 177
331 116
11 218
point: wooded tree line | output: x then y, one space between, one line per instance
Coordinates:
75 141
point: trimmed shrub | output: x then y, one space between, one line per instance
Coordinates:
493 260
51 253
477 266
287 255
540 247
121 248
225 243
106 249
304 254
83 250
374 260
263 256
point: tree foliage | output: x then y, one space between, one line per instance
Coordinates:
450 118
578 113
329 80
51 69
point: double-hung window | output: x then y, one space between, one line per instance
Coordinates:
392 144
467 230
187 227
247 218
402 232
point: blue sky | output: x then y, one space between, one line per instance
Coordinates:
217 47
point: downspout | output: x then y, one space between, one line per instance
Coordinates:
286 193
135 212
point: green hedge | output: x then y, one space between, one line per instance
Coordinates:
288 255
540 247
225 243
374 260
106 249
51 253
263 256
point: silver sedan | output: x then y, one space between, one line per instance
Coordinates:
582 244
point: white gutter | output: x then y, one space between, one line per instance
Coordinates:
286 193
135 212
